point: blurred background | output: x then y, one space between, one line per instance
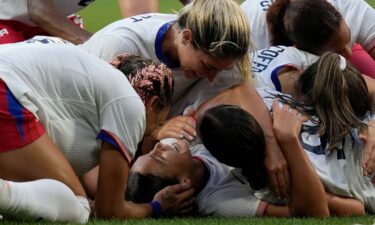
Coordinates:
103 12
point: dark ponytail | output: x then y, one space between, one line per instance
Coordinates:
235 138
307 24
275 21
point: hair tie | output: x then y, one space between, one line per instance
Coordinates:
342 63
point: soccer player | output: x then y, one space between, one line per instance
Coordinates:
316 27
64 111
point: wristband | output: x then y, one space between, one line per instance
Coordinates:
156 209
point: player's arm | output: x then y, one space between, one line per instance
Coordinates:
45 14
307 197
109 202
135 7
340 206
275 162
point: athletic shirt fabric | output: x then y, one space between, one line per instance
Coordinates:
340 169
267 62
143 35
224 194
17 9
358 14
79 98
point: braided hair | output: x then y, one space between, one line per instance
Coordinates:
148 78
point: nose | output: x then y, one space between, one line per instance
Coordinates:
159 147
346 52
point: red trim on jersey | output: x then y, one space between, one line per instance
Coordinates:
18 127
119 145
262 207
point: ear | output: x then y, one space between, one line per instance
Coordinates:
152 103
185 180
186 36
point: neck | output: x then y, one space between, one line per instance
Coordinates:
198 175
288 78
169 45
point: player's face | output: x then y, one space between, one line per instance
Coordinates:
197 64
340 42
167 160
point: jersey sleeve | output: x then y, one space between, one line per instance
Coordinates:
122 124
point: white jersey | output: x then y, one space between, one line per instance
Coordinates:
79 98
225 194
17 9
361 24
143 35
340 170
267 62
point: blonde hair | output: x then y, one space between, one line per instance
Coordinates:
220 29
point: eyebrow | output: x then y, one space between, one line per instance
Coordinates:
157 159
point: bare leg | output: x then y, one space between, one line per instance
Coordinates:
39 160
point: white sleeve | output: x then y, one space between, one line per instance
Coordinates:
233 202
124 120
108 45
360 17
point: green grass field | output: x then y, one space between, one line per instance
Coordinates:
110 12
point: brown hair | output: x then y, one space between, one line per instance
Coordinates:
339 98
235 138
305 23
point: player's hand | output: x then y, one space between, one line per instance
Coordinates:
287 122
179 127
176 199
275 162
368 137
277 169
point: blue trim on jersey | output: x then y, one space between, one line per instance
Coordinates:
275 78
158 46
314 149
16 109
107 138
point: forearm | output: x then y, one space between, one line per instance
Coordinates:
135 7
340 206
113 173
307 196
45 14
